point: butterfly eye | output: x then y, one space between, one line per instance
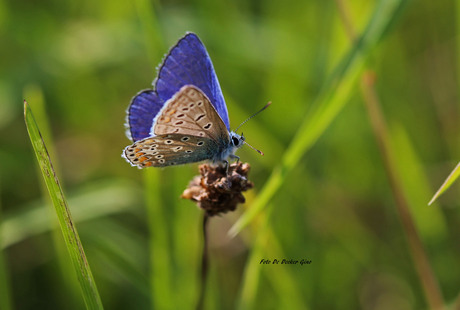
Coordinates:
235 141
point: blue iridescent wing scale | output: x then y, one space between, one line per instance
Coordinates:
141 112
188 63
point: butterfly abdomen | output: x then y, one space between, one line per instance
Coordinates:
226 148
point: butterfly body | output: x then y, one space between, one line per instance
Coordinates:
186 130
184 119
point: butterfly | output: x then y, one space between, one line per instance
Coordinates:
184 118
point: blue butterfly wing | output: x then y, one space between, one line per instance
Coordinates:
188 63
141 112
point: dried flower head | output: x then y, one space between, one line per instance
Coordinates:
217 191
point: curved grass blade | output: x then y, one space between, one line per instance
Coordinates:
35 94
329 103
447 183
69 231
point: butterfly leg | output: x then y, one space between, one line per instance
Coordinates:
226 166
234 156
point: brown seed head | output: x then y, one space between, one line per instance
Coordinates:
217 192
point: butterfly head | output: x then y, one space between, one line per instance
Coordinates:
237 140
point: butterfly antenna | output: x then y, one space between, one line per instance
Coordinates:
266 106
260 152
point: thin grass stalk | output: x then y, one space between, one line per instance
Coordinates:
69 231
422 264
423 267
329 103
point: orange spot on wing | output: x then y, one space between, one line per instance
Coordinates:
143 158
148 164
139 154
137 150
166 119
171 112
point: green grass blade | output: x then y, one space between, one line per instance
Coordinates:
69 231
34 93
330 101
447 183
430 222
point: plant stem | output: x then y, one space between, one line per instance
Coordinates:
204 264
422 264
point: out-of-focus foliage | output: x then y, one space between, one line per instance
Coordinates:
84 60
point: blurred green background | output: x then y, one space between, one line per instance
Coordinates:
78 63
